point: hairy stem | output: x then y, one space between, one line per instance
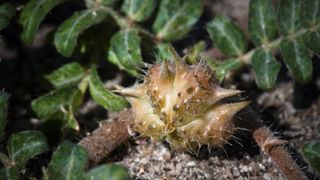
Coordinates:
107 137
113 133
275 148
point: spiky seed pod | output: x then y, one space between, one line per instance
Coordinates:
182 104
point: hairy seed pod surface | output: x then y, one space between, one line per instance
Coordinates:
182 104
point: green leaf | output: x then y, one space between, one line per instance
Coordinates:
297 59
32 15
262 25
289 17
194 52
311 13
112 171
221 69
3 112
24 145
175 18
163 52
139 10
266 68
7 11
9 173
310 17
312 152
312 41
49 104
67 162
65 38
227 36
125 50
104 97
69 74
71 121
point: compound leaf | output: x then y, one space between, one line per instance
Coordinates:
125 50
24 145
67 162
227 36
112 171
297 59
65 39
32 15
175 18
139 10
68 74
266 68
104 97
262 25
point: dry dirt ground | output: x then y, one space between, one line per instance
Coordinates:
147 160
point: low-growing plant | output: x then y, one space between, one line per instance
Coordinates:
127 33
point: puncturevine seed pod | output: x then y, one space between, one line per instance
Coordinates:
182 104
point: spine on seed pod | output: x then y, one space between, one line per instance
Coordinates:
182 104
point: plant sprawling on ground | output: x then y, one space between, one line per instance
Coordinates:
128 34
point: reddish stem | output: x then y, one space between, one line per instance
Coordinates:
107 137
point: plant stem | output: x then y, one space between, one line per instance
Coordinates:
246 58
274 148
111 134
124 22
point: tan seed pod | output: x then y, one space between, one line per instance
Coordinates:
181 104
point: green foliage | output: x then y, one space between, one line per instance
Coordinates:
113 172
135 28
310 15
227 36
262 24
297 59
175 18
164 52
32 15
66 75
312 152
7 11
266 76
24 145
139 10
67 162
289 16
71 81
21 147
222 68
299 25
103 96
66 36
50 104
125 50
3 112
